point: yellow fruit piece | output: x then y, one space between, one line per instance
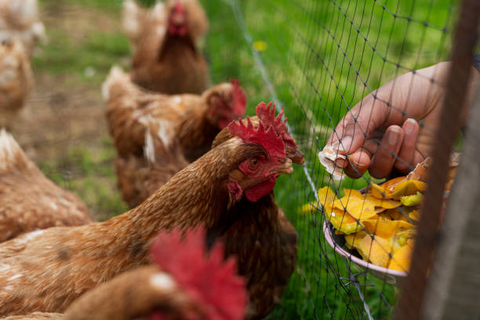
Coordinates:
375 250
342 221
326 196
412 200
357 208
400 213
352 240
386 228
401 259
386 189
378 201
415 215
408 188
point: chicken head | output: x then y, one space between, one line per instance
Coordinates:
256 176
226 102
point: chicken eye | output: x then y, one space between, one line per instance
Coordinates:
253 163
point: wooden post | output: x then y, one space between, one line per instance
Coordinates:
454 284
411 301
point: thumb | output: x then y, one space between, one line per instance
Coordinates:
357 125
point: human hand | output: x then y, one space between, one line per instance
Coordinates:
393 127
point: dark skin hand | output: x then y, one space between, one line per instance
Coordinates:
384 133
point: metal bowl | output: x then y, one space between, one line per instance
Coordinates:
338 244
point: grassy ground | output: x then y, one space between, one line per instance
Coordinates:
319 63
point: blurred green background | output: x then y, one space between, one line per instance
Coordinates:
321 58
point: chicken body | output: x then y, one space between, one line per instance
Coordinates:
167 289
47 270
28 200
263 239
16 79
158 135
165 39
19 19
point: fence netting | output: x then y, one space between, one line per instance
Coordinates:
318 60
315 59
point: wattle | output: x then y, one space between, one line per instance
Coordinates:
260 190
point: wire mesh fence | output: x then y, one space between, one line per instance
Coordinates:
315 59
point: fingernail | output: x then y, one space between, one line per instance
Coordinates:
393 136
409 126
340 163
346 143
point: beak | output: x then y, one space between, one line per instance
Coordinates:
285 167
297 156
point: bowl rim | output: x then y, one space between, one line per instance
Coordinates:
327 232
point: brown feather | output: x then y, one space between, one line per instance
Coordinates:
47 270
28 200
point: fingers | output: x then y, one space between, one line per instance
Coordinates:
383 161
407 152
358 123
358 163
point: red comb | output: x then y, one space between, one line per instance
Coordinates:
179 8
268 139
208 279
267 115
239 98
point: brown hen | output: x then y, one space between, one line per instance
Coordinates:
28 200
157 135
16 80
47 270
263 239
166 56
20 20
169 289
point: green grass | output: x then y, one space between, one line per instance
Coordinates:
320 66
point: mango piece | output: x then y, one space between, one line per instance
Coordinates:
401 259
326 195
342 221
378 201
400 213
407 188
415 215
412 200
357 208
375 250
352 240
386 228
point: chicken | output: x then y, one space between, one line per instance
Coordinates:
19 19
263 239
28 200
140 176
178 129
166 56
194 119
16 80
48 269
183 283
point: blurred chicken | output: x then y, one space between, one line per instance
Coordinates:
183 283
166 56
16 80
47 270
194 119
28 200
156 135
19 19
140 176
